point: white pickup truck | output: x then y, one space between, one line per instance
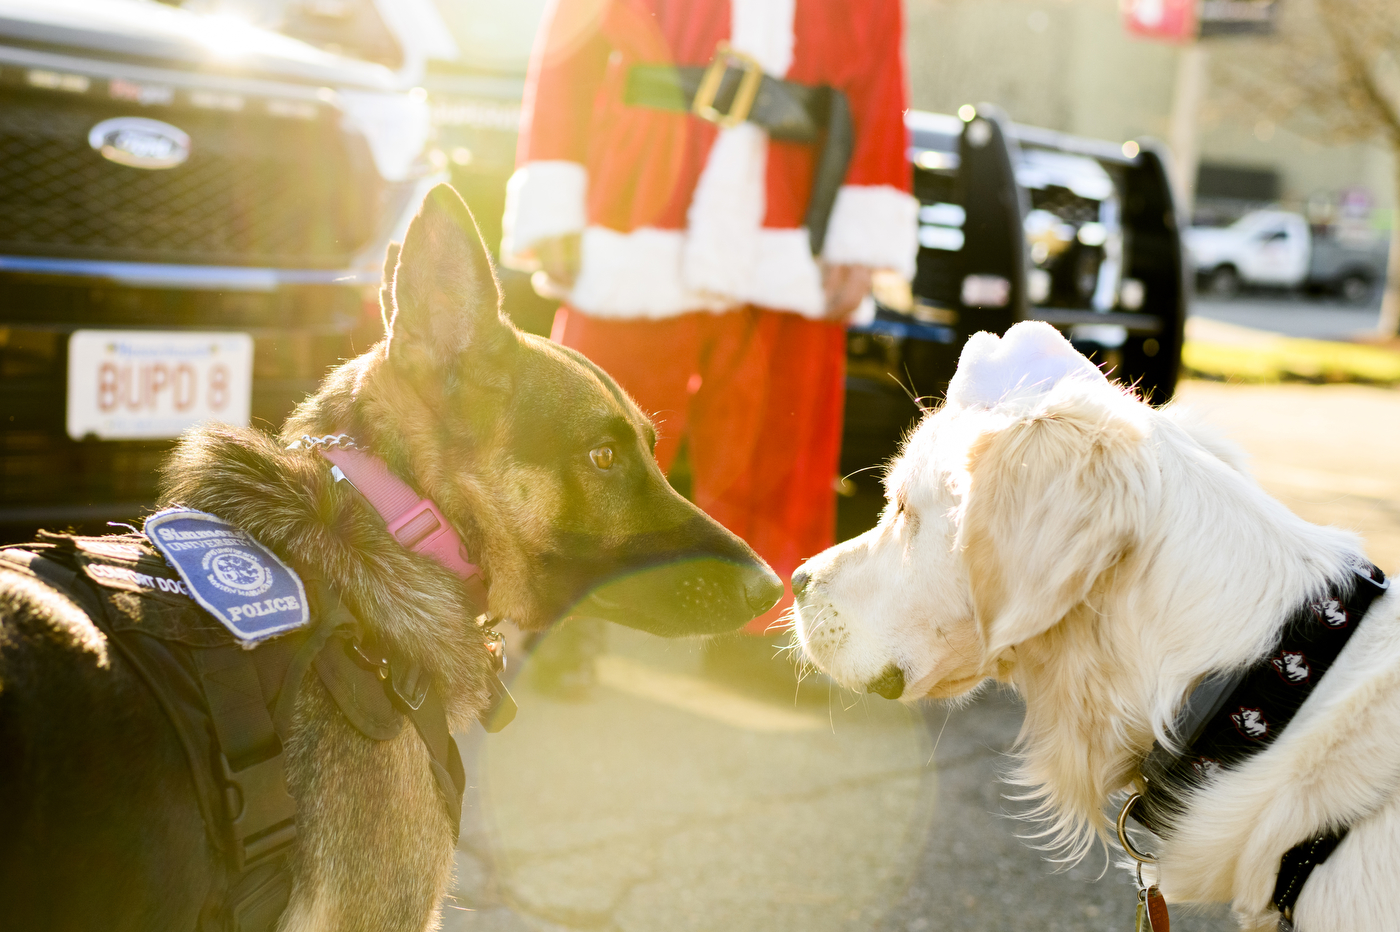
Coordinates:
1275 248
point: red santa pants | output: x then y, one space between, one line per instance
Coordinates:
758 394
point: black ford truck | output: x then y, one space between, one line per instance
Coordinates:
193 216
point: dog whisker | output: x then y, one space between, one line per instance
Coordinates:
934 749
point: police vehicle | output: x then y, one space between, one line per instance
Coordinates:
193 217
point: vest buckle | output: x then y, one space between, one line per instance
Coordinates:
261 811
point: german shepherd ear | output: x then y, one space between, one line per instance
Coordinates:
444 299
386 286
1054 500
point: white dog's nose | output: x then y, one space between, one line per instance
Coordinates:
800 580
890 683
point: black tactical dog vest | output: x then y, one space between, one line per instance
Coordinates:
232 708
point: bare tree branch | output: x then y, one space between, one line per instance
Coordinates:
1332 74
1356 63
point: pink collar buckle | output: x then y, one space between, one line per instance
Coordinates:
423 529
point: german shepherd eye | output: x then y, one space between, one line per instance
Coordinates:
602 457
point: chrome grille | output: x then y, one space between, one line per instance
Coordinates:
256 190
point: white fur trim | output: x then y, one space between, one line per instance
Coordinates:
639 275
726 213
728 254
636 274
763 29
543 199
874 225
724 259
1031 358
785 276
864 314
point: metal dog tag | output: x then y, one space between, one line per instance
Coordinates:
1151 911
1144 921
501 711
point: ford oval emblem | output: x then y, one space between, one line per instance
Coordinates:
140 143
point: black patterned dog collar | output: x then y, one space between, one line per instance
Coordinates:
1233 716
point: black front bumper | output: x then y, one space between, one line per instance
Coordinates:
48 479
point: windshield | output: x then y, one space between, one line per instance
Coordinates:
493 36
345 27
1259 220
481 35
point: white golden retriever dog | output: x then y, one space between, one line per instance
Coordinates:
1047 529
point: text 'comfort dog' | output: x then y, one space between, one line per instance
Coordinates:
1227 671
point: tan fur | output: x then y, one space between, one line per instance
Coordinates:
374 846
66 622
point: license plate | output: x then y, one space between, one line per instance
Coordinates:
127 385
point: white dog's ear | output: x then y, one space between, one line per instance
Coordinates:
1053 501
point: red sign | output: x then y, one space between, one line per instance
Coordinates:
1172 20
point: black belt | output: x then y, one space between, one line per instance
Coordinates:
733 89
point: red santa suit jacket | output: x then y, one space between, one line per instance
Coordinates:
677 214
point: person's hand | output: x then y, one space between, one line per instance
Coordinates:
845 287
560 259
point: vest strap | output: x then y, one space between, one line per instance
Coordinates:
261 811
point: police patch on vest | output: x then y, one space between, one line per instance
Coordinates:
235 578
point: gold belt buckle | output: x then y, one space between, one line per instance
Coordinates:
704 105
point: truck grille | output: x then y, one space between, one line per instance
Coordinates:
256 190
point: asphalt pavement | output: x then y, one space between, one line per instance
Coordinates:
674 798
1293 315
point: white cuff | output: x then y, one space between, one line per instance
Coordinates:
874 225
543 199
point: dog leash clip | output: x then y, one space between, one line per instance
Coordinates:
1152 906
496 647
406 683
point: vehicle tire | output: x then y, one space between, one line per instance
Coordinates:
1224 282
1355 288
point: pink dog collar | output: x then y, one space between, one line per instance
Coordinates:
419 526
414 521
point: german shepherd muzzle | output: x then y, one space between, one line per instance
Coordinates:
545 469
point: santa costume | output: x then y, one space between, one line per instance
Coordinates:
698 289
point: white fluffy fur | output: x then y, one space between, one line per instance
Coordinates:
874 225
640 274
1101 557
543 199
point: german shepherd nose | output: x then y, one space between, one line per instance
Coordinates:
763 590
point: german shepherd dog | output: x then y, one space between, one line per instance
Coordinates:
544 467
